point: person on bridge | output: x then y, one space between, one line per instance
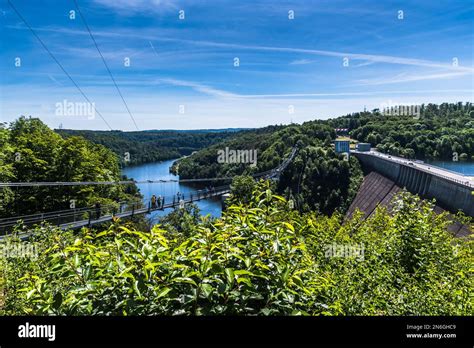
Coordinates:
153 202
159 201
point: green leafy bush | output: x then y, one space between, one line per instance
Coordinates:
262 258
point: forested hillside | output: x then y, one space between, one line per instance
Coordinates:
151 146
30 152
438 132
318 178
321 179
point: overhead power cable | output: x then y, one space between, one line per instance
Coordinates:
105 63
123 182
85 183
129 182
57 62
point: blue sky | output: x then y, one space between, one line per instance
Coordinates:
182 72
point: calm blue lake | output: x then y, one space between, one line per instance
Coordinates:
465 168
160 171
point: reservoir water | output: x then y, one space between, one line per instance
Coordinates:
464 168
160 171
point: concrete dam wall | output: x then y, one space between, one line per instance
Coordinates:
449 194
377 190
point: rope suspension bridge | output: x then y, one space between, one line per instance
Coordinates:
88 216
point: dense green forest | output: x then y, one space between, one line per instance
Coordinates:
30 152
260 258
318 178
436 133
152 146
321 179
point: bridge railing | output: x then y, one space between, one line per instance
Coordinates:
62 216
107 212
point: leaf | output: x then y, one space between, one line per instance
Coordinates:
103 233
30 293
244 280
163 292
184 280
247 262
229 272
289 226
206 289
242 272
77 260
297 280
135 288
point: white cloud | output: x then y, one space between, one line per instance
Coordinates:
302 62
366 58
401 78
357 56
132 7
364 64
200 88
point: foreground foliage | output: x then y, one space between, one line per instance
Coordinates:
262 258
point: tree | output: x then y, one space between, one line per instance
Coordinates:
242 188
31 152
